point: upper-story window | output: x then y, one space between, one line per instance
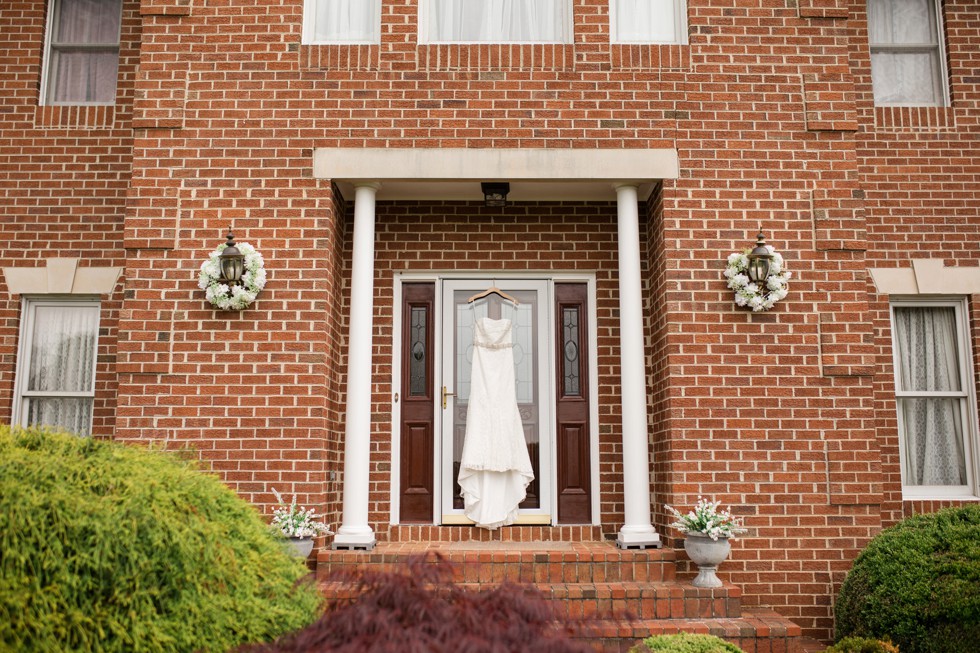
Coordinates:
907 66
55 382
648 21
496 21
937 412
342 21
82 55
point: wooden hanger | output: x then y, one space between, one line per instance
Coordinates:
493 289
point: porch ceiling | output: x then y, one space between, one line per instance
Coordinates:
534 174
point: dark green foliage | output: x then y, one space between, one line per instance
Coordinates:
862 645
686 643
106 547
418 609
918 583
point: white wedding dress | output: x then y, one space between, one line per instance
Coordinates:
495 468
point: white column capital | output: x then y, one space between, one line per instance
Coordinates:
625 184
375 185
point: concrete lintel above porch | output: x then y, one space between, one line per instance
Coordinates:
533 174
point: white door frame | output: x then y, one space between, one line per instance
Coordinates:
546 460
437 277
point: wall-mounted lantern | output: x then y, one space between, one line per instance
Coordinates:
758 276
232 276
231 261
760 260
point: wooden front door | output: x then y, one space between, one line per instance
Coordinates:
417 490
552 339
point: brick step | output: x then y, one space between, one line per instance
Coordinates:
756 631
518 562
621 599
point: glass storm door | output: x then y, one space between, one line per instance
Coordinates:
532 368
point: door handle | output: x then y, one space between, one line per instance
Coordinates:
445 394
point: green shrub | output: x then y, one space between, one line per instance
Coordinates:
862 645
685 643
106 547
918 583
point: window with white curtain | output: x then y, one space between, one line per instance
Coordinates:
56 364
936 401
342 21
907 64
496 21
82 55
648 21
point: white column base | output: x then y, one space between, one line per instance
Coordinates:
631 537
363 540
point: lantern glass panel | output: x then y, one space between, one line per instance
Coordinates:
232 268
758 269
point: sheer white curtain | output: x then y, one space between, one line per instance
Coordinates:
345 21
905 66
645 21
84 51
928 359
62 361
499 21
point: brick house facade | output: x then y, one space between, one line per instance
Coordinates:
760 115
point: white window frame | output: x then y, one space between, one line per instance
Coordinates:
680 26
938 46
309 12
54 6
22 395
968 403
425 38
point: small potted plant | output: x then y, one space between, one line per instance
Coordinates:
708 532
297 524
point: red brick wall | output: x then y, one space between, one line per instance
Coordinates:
787 416
65 171
919 169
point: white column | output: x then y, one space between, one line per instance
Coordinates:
637 532
355 532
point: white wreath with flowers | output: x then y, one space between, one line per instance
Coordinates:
747 292
238 296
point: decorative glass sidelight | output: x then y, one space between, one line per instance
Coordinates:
417 356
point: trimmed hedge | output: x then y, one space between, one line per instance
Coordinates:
918 583
107 547
685 643
862 645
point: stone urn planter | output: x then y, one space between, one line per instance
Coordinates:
300 547
707 554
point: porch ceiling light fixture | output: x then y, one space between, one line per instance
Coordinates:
760 260
495 193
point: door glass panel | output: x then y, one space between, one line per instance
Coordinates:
524 335
569 352
417 355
